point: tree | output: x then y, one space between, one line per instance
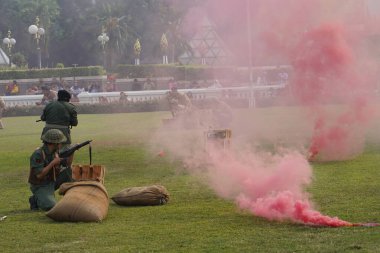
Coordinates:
72 28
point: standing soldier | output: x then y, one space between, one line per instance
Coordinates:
2 107
60 115
178 103
46 171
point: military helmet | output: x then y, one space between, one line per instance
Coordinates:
54 136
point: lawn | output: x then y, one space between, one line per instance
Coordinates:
195 219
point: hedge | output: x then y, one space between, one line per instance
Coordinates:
178 72
197 72
51 72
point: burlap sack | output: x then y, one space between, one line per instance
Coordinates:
82 201
142 196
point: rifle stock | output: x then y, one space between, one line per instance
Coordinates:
70 151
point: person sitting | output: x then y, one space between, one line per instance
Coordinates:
123 98
48 95
47 171
94 88
110 87
75 91
149 85
15 90
32 90
136 85
103 100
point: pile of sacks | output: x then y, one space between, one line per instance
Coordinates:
87 199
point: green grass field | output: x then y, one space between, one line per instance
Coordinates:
195 219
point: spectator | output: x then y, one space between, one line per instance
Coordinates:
94 88
111 78
8 89
136 85
64 85
75 91
110 87
33 90
171 84
103 100
15 90
48 95
149 85
195 85
123 98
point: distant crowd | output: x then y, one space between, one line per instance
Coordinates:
91 86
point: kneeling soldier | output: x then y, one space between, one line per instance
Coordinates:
48 171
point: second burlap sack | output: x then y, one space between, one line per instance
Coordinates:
82 201
142 196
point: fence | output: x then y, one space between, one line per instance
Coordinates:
244 92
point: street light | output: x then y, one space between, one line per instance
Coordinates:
137 50
164 48
37 32
103 39
10 42
74 72
252 100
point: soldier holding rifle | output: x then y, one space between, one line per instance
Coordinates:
179 104
60 115
46 170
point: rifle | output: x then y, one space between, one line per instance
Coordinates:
70 151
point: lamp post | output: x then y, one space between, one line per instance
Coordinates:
164 48
137 51
74 73
10 42
103 39
37 32
252 100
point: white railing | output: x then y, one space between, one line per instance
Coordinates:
148 95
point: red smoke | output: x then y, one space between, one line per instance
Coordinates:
323 66
269 186
329 76
325 72
284 206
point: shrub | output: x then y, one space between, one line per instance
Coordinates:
51 72
19 60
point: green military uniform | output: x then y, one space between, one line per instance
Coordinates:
43 189
178 102
60 115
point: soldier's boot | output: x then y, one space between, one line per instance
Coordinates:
33 203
